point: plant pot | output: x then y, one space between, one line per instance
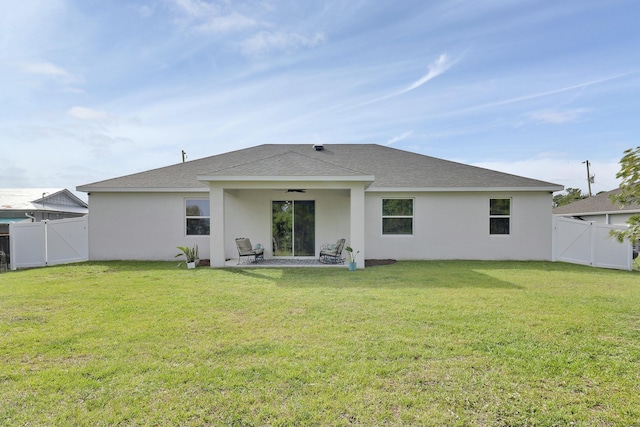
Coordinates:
352 266
191 265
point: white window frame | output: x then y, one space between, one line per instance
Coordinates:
188 217
501 216
412 217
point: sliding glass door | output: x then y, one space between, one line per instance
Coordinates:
293 227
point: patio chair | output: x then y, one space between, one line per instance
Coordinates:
246 249
331 254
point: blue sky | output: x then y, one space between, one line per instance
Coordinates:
92 90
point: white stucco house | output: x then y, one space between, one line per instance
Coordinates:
386 203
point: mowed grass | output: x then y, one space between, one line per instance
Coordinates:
414 343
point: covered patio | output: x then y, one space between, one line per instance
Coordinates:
248 206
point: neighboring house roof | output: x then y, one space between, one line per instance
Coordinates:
41 199
599 204
386 168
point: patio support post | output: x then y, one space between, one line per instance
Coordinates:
216 230
356 240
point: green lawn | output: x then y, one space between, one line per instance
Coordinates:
414 343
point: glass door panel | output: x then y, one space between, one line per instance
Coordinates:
304 228
282 227
293 227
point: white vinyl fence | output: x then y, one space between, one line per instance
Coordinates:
589 243
36 244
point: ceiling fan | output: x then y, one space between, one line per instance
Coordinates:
293 190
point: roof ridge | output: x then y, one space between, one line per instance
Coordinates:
287 150
251 161
332 163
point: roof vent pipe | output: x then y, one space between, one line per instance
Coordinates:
318 147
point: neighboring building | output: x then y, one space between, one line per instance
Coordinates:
599 208
37 204
387 203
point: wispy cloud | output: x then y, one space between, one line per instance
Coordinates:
145 11
196 9
564 170
436 68
399 138
213 17
84 113
226 23
439 66
545 93
266 41
559 117
48 69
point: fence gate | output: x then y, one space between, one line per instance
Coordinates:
36 244
589 243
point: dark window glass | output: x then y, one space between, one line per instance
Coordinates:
499 225
397 207
397 225
198 208
198 226
500 207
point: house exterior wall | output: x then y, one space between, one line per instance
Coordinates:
140 226
455 225
447 225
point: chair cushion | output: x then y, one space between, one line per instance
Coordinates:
244 245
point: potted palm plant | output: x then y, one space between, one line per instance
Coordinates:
191 255
352 258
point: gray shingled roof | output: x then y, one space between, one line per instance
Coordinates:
595 204
392 168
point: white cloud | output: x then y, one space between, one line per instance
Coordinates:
266 41
223 24
44 68
559 117
436 68
145 11
571 173
84 113
399 138
209 17
195 8
545 93
439 66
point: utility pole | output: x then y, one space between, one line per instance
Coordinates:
590 178
184 156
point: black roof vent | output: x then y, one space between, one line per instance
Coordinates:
318 147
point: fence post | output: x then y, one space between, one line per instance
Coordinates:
46 242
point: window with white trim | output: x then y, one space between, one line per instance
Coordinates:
198 217
499 216
397 216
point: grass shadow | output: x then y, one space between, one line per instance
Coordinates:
401 275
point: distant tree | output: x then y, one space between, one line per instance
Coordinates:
571 195
629 192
